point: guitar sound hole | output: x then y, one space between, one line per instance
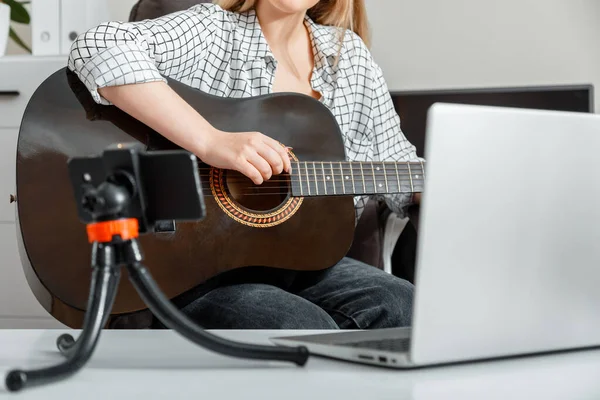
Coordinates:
262 198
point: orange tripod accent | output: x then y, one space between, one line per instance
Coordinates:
104 232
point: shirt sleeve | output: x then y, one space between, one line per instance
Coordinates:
122 53
389 142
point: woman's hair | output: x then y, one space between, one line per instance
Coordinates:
344 14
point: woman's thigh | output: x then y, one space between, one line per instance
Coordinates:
256 306
359 296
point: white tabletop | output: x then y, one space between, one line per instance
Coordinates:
163 365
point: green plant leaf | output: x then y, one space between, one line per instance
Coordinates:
18 13
13 35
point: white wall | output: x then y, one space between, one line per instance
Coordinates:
119 9
428 44
431 44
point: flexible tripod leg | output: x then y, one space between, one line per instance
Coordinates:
66 344
171 317
92 325
104 255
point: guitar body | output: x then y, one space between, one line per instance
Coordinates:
62 121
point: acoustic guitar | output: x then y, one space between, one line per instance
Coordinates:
301 221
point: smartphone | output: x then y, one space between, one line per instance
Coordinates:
161 187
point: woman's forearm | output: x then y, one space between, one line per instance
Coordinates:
159 107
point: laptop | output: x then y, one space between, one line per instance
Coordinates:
508 258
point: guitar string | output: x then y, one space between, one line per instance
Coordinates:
337 173
286 183
209 194
310 174
338 181
352 164
280 184
347 167
287 190
279 190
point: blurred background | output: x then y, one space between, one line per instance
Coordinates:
524 53
437 44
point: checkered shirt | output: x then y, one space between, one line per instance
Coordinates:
226 54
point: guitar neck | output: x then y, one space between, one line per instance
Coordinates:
312 178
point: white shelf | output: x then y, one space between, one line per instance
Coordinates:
23 75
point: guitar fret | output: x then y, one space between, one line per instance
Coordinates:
422 169
343 177
379 187
352 175
375 185
294 181
358 177
324 180
398 177
391 183
321 180
412 188
332 177
307 178
300 180
346 168
316 181
387 190
362 173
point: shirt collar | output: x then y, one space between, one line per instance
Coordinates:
329 72
321 37
255 43
325 47
325 42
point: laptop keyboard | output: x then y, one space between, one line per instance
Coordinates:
399 345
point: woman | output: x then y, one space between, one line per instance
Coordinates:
241 48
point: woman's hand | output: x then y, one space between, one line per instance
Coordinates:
253 154
155 104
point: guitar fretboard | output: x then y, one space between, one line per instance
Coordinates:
356 178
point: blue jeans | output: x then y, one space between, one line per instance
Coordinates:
350 295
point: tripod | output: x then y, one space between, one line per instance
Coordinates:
115 244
